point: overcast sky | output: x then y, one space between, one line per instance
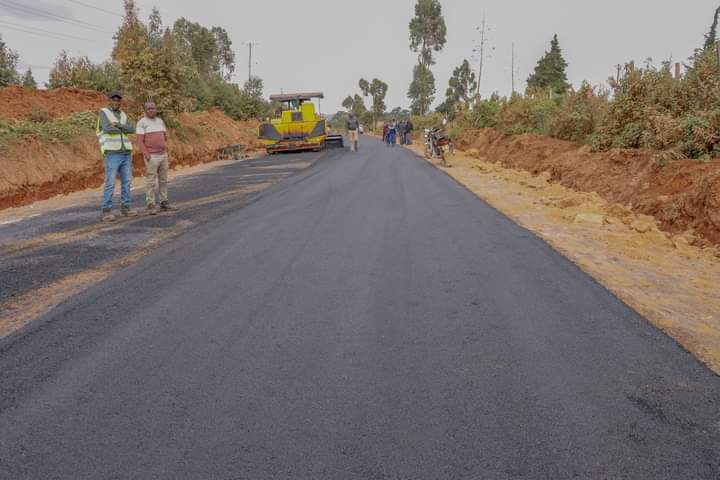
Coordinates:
329 44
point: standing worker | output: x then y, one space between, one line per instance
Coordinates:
402 129
112 129
408 132
352 126
152 139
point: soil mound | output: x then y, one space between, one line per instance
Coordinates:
19 103
681 194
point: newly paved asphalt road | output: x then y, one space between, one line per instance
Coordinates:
366 318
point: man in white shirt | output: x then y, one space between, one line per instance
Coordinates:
152 139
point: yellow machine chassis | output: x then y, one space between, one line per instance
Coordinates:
298 126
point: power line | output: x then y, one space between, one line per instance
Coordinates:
46 35
96 8
40 31
36 67
45 14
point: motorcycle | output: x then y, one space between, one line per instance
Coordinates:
436 144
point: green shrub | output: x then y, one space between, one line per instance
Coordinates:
39 114
64 130
484 115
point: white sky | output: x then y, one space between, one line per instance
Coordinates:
329 44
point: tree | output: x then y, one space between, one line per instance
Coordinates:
377 89
8 65
422 90
428 34
252 103
461 89
80 72
28 81
550 71
225 53
711 38
355 105
200 44
254 87
150 70
155 26
427 30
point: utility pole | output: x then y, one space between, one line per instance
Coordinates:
513 68
485 52
250 49
483 32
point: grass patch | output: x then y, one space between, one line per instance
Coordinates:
63 130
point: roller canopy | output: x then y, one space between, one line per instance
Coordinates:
286 97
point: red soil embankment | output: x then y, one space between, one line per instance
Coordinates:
682 195
19 103
32 169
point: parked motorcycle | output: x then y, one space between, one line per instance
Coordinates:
436 144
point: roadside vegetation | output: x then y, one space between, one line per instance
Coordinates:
672 107
186 67
63 130
183 68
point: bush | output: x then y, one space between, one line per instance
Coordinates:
652 109
80 72
39 114
63 130
484 115
579 114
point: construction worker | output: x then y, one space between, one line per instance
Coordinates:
112 130
352 126
152 140
408 132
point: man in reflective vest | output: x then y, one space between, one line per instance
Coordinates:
112 129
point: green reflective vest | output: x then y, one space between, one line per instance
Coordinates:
112 142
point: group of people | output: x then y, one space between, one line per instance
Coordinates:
112 129
398 132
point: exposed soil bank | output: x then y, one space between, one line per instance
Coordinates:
18 103
32 169
682 195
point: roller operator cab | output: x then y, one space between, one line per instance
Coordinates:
296 126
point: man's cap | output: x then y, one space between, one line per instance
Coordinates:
115 93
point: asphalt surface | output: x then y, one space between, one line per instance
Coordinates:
366 318
50 246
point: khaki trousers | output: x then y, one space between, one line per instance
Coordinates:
156 178
353 139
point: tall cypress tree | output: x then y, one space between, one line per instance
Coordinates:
550 71
711 37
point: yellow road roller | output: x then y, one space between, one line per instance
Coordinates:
296 126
